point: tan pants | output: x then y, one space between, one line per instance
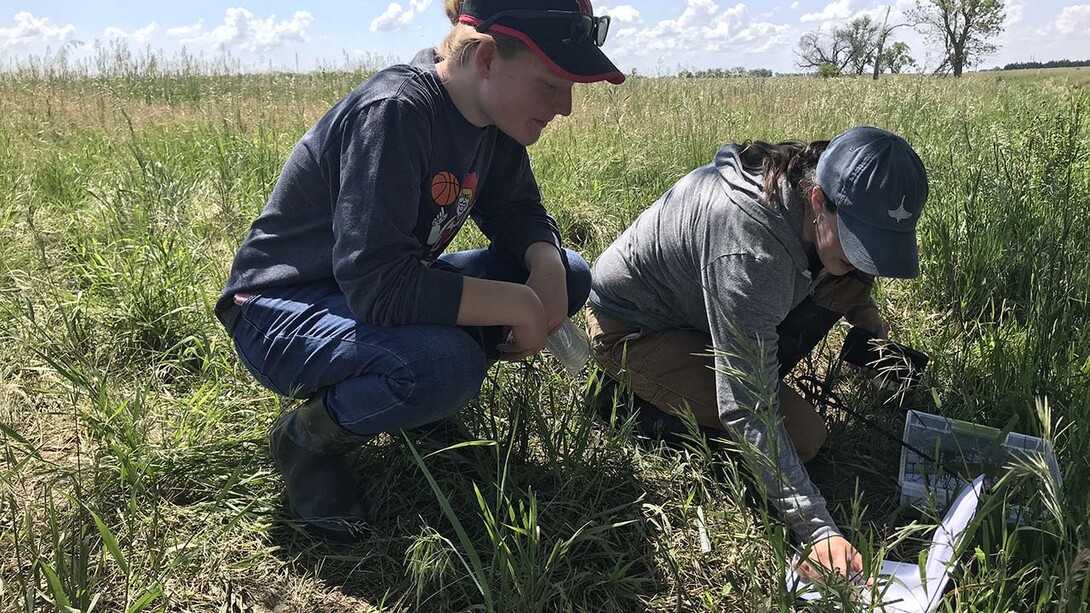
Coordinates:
671 370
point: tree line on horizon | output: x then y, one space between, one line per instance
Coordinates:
721 73
1064 63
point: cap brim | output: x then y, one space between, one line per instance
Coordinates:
582 64
579 63
883 254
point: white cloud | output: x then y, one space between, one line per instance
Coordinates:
839 9
393 18
241 30
187 32
760 37
396 16
1071 20
794 5
624 13
840 12
139 36
31 29
1015 12
697 12
879 15
701 29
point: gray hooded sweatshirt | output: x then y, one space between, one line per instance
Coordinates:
712 255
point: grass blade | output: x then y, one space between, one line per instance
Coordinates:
477 572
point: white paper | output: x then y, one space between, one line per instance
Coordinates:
900 587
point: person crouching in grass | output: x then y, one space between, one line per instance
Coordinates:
341 293
752 259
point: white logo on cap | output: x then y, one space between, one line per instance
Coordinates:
900 213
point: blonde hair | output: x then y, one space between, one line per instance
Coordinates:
463 39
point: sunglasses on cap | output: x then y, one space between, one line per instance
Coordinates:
585 29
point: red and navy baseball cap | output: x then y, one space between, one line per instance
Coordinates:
564 34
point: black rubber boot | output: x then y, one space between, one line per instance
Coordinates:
312 452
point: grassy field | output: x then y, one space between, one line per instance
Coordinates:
134 471
1078 75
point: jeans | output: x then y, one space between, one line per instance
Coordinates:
302 340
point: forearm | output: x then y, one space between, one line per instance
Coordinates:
497 303
791 492
747 300
749 407
548 279
542 256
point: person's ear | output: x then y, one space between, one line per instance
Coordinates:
817 201
484 58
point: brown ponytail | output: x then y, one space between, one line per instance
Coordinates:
794 160
463 39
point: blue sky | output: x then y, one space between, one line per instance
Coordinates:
651 36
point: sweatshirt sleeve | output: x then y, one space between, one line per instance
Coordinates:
509 210
383 154
746 297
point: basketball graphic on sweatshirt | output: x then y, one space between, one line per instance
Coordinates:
447 222
444 188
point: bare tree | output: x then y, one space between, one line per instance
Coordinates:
861 37
962 26
880 55
849 49
817 49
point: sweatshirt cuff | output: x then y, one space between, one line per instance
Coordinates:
819 525
519 242
440 297
823 533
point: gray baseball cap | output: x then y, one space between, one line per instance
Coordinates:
878 185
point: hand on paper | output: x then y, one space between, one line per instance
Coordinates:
832 554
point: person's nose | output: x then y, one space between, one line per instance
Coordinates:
562 105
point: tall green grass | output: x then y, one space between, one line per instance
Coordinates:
134 473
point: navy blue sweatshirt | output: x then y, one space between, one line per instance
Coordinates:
376 190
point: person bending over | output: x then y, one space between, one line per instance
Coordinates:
753 258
